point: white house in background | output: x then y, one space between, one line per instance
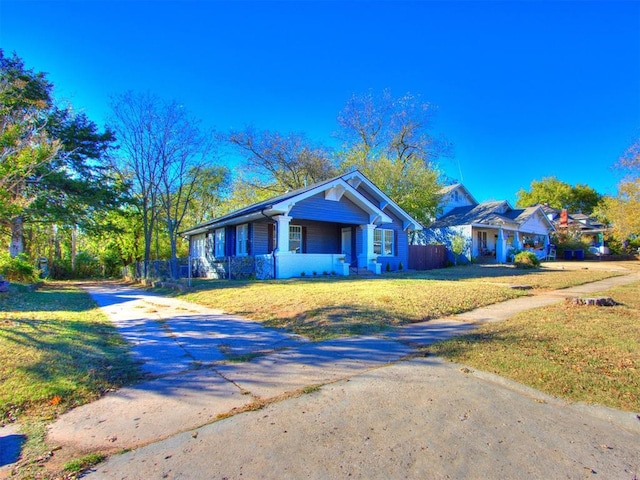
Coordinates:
492 230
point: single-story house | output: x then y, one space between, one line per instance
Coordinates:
490 229
331 227
589 229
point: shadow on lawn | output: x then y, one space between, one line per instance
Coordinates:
49 298
57 355
461 272
340 321
10 447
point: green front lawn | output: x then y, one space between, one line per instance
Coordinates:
57 351
327 307
589 354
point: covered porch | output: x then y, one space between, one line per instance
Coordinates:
498 244
304 247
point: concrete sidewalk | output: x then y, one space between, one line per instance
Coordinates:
185 345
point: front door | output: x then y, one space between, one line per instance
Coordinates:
346 245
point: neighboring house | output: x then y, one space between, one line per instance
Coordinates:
564 220
589 229
490 229
325 228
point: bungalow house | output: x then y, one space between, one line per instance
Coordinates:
588 229
490 229
334 226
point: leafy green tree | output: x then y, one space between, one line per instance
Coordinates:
388 140
25 147
458 246
623 210
558 194
210 192
52 170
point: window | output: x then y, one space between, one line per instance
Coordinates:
383 241
220 249
295 238
242 240
197 246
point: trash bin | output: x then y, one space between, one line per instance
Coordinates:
568 254
579 254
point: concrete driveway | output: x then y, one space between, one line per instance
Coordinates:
381 412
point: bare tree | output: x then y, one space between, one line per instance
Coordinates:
382 125
389 140
278 163
162 153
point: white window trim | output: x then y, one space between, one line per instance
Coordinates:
295 230
220 243
381 237
242 241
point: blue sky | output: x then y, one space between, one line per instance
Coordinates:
524 89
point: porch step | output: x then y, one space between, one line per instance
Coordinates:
360 271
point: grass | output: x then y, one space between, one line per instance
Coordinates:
322 308
588 354
82 464
57 351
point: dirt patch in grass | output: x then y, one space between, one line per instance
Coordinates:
582 353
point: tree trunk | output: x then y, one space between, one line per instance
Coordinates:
16 247
173 262
74 247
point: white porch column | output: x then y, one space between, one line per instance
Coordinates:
282 233
366 257
501 253
516 241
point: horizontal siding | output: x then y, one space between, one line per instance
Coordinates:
322 237
317 208
401 249
260 240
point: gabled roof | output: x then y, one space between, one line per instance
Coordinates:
493 214
581 220
457 186
486 213
524 214
334 188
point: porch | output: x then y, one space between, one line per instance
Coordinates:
497 245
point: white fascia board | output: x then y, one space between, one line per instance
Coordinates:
232 221
408 222
350 192
487 226
540 211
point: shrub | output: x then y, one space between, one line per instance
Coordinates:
526 260
400 266
87 266
60 269
18 269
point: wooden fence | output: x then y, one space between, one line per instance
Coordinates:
427 257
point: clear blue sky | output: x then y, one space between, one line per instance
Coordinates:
525 89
